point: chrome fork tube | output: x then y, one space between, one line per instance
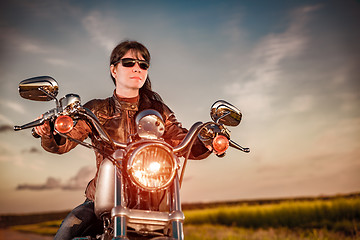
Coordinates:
177 225
119 221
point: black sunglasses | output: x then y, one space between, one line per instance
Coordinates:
130 62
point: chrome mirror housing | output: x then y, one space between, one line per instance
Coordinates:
225 113
42 88
150 124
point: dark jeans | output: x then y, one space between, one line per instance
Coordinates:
80 222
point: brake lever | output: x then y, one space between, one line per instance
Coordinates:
46 116
34 123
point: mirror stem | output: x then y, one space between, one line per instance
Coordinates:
51 96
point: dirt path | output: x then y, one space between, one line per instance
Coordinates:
7 234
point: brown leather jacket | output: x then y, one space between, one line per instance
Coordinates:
118 119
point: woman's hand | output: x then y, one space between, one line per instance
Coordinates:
44 129
211 132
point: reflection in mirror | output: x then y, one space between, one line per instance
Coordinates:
225 113
42 88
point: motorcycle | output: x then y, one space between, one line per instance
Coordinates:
146 164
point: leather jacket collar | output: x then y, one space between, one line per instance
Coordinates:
122 104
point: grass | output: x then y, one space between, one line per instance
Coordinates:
218 232
44 228
337 218
342 215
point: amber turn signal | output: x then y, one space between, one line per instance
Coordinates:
220 144
64 124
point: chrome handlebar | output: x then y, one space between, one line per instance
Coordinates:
104 136
99 128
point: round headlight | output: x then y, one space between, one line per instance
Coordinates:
152 167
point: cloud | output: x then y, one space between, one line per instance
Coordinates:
5 151
9 153
78 182
32 47
81 179
6 128
25 43
13 106
231 29
333 151
58 62
5 119
301 103
18 158
100 28
260 76
51 183
347 101
321 168
342 137
32 150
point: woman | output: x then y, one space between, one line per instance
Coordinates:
129 64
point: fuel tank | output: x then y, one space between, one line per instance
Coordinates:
105 188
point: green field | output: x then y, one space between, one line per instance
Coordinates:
337 214
337 218
218 232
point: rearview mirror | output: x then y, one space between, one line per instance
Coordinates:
225 113
42 88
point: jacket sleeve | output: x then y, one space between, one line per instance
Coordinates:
59 145
175 133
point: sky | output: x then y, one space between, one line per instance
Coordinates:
291 67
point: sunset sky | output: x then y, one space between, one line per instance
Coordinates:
292 67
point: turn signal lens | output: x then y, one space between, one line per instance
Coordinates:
64 124
220 144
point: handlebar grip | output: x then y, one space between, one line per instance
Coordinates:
17 128
35 135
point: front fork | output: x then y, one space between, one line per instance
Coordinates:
120 221
175 206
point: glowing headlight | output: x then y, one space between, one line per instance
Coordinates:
152 167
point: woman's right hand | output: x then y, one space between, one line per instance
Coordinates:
44 129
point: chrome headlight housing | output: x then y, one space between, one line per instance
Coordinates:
150 124
152 166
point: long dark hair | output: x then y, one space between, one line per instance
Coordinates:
148 98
